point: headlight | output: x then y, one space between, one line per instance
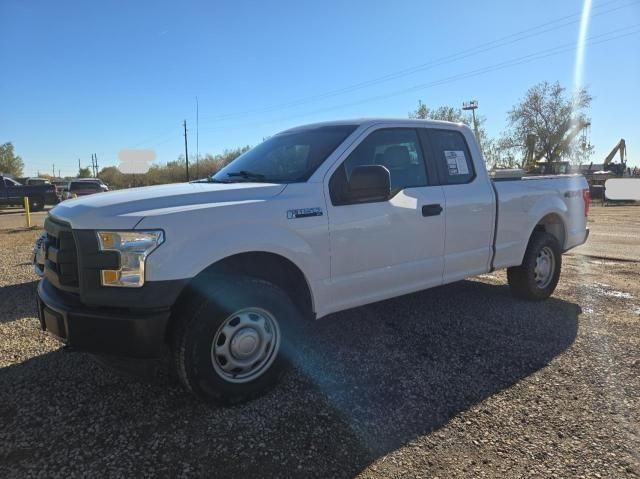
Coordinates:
134 247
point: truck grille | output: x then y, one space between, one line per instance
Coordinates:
61 257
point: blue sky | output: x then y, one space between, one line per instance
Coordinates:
97 77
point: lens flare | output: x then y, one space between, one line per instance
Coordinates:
582 40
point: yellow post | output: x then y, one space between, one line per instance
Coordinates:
27 212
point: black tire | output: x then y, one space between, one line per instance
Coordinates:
522 279
36 204
212 304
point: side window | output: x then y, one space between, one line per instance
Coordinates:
397 149
453 159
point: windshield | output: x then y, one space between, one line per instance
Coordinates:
287 157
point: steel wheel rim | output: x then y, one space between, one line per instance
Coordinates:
245 345
545 267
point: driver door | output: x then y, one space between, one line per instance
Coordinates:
13 191
390 247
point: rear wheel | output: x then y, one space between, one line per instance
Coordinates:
537 277
237 343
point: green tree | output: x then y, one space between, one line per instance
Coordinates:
10 163
499 154
555 118
112 177
84 173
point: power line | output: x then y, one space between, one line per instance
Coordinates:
491 68
482 48
593 40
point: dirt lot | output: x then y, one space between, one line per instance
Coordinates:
459 381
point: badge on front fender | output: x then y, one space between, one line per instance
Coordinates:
304 213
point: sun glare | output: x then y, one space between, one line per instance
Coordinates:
580 51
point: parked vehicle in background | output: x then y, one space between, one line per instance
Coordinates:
13 193
95 180
84 187
60 185
36 181
314 220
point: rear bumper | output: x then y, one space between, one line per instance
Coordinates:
118 332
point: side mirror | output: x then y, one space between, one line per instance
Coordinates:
369 183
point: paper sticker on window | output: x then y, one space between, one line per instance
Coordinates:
456 162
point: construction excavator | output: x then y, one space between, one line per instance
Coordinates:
617 169
597 175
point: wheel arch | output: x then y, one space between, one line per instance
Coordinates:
549 215
268 266
554 224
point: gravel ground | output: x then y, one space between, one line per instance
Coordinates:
459 381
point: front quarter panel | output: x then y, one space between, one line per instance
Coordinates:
196 239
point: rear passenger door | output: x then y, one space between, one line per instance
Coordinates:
469 205
384 248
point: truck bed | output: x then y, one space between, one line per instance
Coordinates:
521 199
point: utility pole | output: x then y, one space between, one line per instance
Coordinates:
53 171
472 105
197 141
79 167
94 164
59 173
186 152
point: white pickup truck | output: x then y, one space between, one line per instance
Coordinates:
314 220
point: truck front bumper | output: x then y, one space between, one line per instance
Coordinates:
112 331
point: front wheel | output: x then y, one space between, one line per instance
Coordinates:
537 277
236 344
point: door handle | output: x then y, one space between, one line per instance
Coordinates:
431 210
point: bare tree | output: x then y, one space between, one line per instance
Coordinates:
552 120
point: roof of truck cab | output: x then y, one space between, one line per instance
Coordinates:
374 121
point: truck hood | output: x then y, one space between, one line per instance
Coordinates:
123 209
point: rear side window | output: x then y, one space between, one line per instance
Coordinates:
453 158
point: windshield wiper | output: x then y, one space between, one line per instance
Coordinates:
248 175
